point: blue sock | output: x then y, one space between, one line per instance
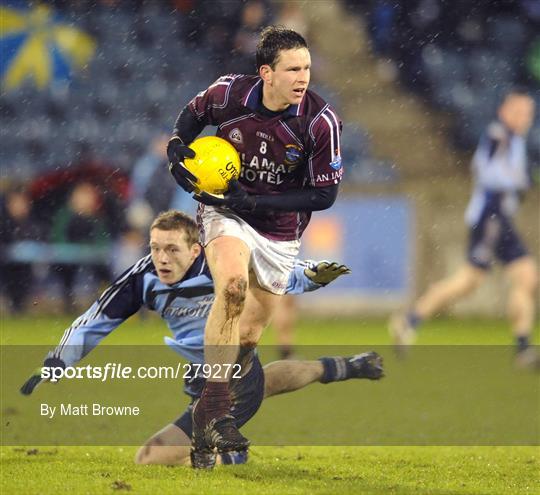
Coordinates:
522 343
336 369
413 320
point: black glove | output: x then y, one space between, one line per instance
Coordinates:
236 198
368 365
177 152
36 379
325 272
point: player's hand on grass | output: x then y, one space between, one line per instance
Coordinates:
236 198
177 152
37 378
325 272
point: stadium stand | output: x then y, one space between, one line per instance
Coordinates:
149 59
132 84
465 63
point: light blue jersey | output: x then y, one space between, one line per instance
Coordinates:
184 306
500 173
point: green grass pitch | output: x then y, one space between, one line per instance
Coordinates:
304 469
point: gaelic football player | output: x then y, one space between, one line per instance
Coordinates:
174 281
500 178
288 138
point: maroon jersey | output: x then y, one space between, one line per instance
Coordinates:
296 148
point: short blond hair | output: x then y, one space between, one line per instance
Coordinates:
177 220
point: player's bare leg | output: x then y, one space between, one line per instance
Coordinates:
289 375
283 323
449 290
258 311
402 327
228 259
169 446
523 276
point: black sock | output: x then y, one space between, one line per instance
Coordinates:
522 343
285 351
413 320
336 369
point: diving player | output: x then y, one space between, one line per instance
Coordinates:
175 282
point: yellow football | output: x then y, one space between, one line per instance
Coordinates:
216 162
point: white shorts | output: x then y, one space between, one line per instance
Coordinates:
271 261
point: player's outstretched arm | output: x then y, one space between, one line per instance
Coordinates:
117 303
325 272
310 275
43 374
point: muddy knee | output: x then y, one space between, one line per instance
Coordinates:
235 295
250 336
145 454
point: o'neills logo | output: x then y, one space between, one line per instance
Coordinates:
236 136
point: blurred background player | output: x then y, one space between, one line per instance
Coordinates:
175 278
289 141
500 178
287 312
283 323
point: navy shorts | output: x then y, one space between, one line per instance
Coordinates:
247 394
494 238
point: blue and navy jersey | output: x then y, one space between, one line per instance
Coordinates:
184 306
500 173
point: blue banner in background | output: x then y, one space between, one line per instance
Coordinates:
373 236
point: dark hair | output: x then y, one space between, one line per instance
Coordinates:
516 91
274 39
17 188
176 220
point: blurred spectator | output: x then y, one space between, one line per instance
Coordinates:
210 25
533 60
17 224
150 182
381 20
51 190
81 221
292 16
253 18
153 190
